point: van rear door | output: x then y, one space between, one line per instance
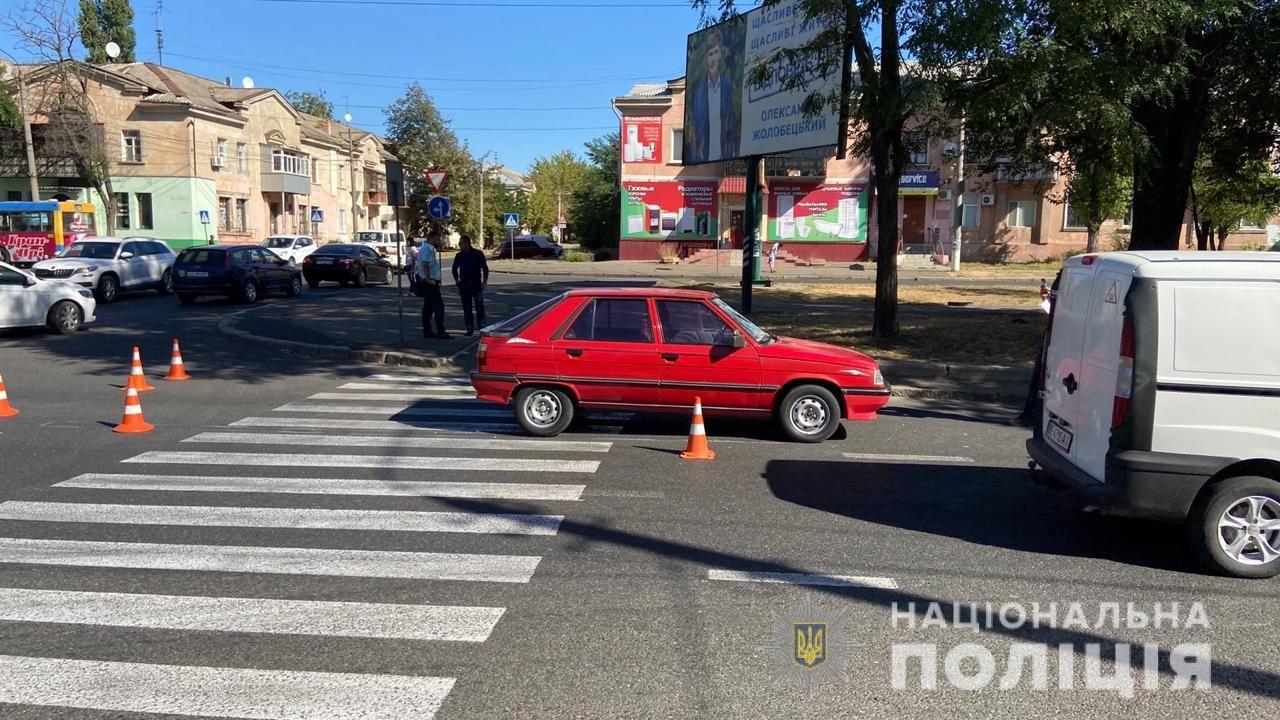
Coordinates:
1061 418
1099 368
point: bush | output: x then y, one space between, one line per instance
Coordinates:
576 256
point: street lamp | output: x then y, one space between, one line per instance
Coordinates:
351 158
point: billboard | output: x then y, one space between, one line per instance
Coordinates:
674 209
642 139
818 212
726 116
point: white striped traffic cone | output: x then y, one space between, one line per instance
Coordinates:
133 422
698 449
6 410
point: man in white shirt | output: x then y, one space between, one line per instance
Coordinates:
428 273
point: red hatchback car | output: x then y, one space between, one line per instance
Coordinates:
655 350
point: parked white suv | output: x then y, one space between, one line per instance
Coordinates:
109 265
27 301
383 241
1161 396
290 247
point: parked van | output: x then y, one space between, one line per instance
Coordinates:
1161 396
383 241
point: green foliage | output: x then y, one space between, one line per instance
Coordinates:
311 103
10 113
1222 198
104 21
555 179
597 205
577 256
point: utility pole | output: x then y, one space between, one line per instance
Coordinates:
559 229
481 202
26 135
958 226
160 31
351 159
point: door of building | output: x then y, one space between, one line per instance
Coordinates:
737 221
913 219
275 218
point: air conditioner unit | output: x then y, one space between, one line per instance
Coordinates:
944 195
988 199
219 161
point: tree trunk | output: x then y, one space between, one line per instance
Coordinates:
885 322
1223 231
1204 235
109 201
1091 244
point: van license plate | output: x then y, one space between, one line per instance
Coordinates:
1059 436
197 273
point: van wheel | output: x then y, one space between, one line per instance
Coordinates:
809 413
544 412
1236 528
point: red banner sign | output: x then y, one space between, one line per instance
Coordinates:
642 139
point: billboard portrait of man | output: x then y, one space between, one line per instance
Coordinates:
713 99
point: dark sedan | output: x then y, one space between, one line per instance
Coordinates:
346 263
528 246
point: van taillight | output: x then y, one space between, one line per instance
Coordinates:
1124 375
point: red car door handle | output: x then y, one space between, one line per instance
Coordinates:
670 357
575 352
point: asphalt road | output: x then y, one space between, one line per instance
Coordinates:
267 553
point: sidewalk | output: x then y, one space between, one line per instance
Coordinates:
342 325
861 272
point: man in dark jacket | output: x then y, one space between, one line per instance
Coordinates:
471 275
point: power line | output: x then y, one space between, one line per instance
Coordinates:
480 4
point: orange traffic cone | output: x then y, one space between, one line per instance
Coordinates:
176 369
6 410
698 449
137 380
133 422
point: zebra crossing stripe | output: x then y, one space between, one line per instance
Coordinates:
412 387
324 486
428 379
299 518
251 615
156 457
271 560
390 441
418 426
426 395
397 410
218 692
803 579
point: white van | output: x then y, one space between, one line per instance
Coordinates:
384 241
1161 396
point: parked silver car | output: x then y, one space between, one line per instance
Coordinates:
108 266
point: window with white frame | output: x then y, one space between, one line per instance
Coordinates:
1022 213
677 145
971 211
122 211
242 158
131 145
291 163
342 220
220 152
1071 220
918 148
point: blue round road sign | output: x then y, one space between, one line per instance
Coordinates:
440 207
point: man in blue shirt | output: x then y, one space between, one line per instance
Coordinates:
471 275
428 272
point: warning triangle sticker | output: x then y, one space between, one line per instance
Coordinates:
1111 294
437 178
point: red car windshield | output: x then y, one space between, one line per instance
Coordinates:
513 326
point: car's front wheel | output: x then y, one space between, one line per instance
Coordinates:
249 292
66 317
544 412
295 286
108 289
1236 527
809 413
166 283
361 279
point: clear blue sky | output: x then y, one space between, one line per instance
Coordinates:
493 71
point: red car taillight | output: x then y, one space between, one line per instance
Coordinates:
307 261
1124 376
482 353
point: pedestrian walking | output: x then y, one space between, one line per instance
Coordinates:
411 265
471 275
773 256
428 273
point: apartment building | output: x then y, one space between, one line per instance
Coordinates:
819 206
185 150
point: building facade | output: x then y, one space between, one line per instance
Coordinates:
819 207
193 160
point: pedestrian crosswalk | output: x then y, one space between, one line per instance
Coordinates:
278 496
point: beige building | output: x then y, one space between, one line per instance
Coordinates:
194 159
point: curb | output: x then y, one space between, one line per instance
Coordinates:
929 394
226 329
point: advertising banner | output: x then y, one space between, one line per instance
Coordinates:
923 182
726 115
818 212
642 139
669 209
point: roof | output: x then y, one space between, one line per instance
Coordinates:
647 90
1179 264
175 87
675 293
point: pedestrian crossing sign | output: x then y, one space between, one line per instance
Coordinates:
317 215
511 221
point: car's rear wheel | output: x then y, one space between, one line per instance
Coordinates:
809 413
313 283
66 317
108 289
166 283
295 286
187 298
249 292
1235 527
544 412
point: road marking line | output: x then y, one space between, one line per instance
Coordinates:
271 560
218 692
410 387
416 425
298 518
889 457
650 494
427 379
366 461
392 396
405 410
393 441
324 486
251 615
803 579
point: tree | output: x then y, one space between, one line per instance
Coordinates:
1223 198
60 94
311 103
555 179
104 21
1098 194
10 113
597 209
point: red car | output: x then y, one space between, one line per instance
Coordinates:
656 350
